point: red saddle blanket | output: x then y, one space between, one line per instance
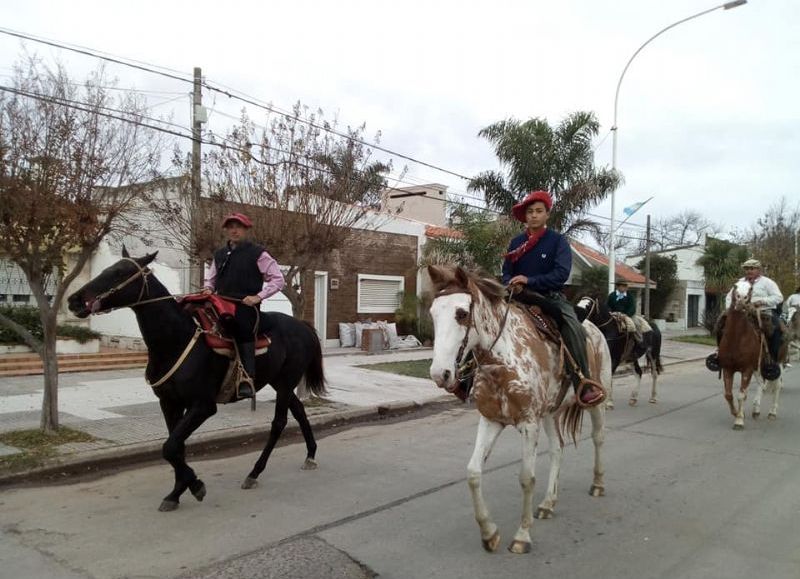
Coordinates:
208 310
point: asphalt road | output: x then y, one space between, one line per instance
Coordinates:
686 497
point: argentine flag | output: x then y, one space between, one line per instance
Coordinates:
633 208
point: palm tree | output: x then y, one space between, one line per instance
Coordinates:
721 264
557 159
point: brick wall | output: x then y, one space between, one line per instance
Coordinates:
370 252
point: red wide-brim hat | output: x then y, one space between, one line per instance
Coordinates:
518 211
240 217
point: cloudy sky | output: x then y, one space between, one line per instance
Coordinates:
709 113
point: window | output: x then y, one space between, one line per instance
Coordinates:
379 294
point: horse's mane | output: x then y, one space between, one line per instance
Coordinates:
452 279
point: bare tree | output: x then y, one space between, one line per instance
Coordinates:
70 160
686 228
305 188
772 240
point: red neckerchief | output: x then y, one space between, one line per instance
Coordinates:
533 239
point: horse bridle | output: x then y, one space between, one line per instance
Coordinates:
595 307
142 272
460 355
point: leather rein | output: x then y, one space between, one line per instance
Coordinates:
143 272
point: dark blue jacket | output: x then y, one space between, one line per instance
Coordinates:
546 266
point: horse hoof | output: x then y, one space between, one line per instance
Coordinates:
653 401
772 416
198 489
597 491
492 542
249 483
738 426
609 405
309 464
544 513
167 506
520 547
756 414
632 402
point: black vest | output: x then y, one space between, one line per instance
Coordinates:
237 270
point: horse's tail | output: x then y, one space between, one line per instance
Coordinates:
655 351
569 420
315 375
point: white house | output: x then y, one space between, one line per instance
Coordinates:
687 303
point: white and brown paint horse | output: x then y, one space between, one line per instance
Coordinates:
741 349
516 384
792 336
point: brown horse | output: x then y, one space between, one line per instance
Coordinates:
741 349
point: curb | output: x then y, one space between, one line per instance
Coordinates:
64 467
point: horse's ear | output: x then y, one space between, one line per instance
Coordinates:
437 275
462 278
147 258
125 251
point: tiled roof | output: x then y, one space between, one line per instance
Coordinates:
621 270
435 231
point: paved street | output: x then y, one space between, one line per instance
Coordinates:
686 497
119 409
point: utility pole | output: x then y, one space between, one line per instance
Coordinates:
198 118
647 271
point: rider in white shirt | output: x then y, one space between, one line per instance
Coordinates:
791 304
767 295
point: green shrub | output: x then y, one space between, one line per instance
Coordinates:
28 318
79 333
409 322
25 316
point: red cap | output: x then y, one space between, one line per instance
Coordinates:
240 217
518 211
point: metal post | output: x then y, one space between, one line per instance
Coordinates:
646 311
195 266
612 254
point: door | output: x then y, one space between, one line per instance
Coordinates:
321 304
694 312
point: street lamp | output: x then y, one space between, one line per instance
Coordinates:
612 253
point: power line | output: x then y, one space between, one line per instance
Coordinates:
77 106
317 126
90 108
146 67
98 54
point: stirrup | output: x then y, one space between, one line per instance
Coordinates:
712 362
249 383
583 386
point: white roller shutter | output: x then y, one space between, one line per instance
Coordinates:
379 294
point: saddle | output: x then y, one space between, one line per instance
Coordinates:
548 329
545 325
213 313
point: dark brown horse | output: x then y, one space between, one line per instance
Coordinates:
741 349
188 395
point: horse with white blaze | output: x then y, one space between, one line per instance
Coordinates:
517 383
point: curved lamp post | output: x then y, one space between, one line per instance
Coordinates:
612 253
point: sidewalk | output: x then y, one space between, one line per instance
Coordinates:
119 409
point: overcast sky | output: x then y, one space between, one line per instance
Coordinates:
709 112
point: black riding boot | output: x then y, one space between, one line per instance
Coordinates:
574 337
712 360
247 355
771 369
